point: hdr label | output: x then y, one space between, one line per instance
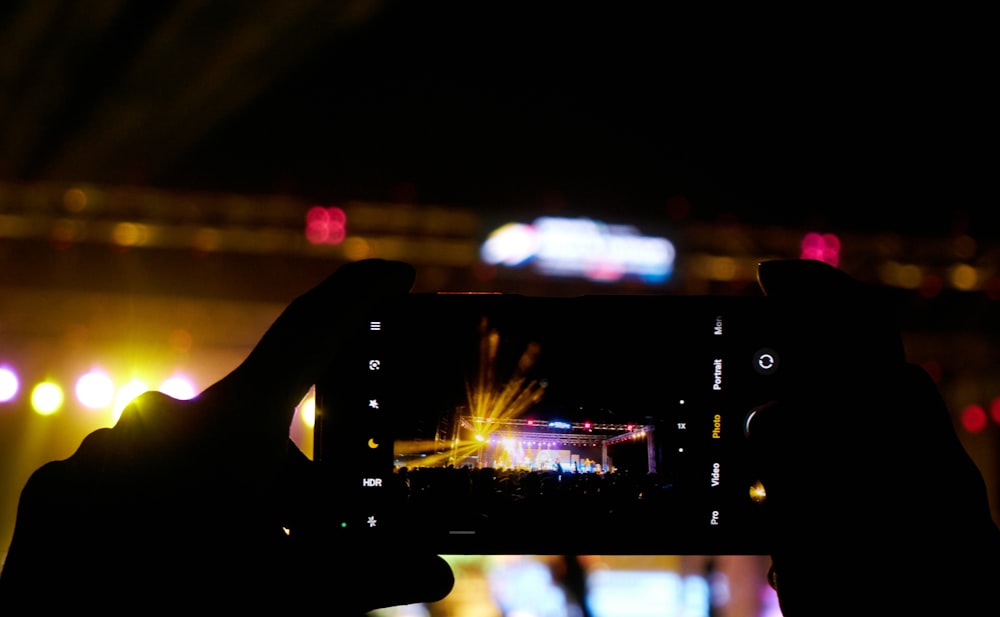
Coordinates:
371 482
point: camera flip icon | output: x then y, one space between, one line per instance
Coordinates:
765 361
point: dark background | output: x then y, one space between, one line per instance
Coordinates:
864 119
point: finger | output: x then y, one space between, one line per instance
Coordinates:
807 279
428 578
852 326
941 462
835 497
831 457
304 339
848 355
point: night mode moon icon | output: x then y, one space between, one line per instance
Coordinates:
372 444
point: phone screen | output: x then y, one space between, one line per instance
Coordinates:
507 424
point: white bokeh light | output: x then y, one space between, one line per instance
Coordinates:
95 390
178 387
9 384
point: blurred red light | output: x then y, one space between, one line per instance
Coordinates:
821 247
995 410
974 418
326 225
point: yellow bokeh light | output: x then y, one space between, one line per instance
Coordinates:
356 249
888 272
964 277
909 276
125 395
75 200
129 234
722 268
46 398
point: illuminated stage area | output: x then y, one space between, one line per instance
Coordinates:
532 445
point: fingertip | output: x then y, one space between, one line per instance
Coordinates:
373 275
441 580
754 418
299 345
770 430
804 278
431 580
435 581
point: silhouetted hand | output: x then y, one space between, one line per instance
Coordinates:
196 504
875 507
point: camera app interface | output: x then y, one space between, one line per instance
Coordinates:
505 424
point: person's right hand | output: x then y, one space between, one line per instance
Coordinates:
874 506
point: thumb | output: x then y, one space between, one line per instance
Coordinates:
303 342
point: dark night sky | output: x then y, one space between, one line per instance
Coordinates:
859 121
853 119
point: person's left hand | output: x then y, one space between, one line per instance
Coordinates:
195 503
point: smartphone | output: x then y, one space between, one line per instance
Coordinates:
481 423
